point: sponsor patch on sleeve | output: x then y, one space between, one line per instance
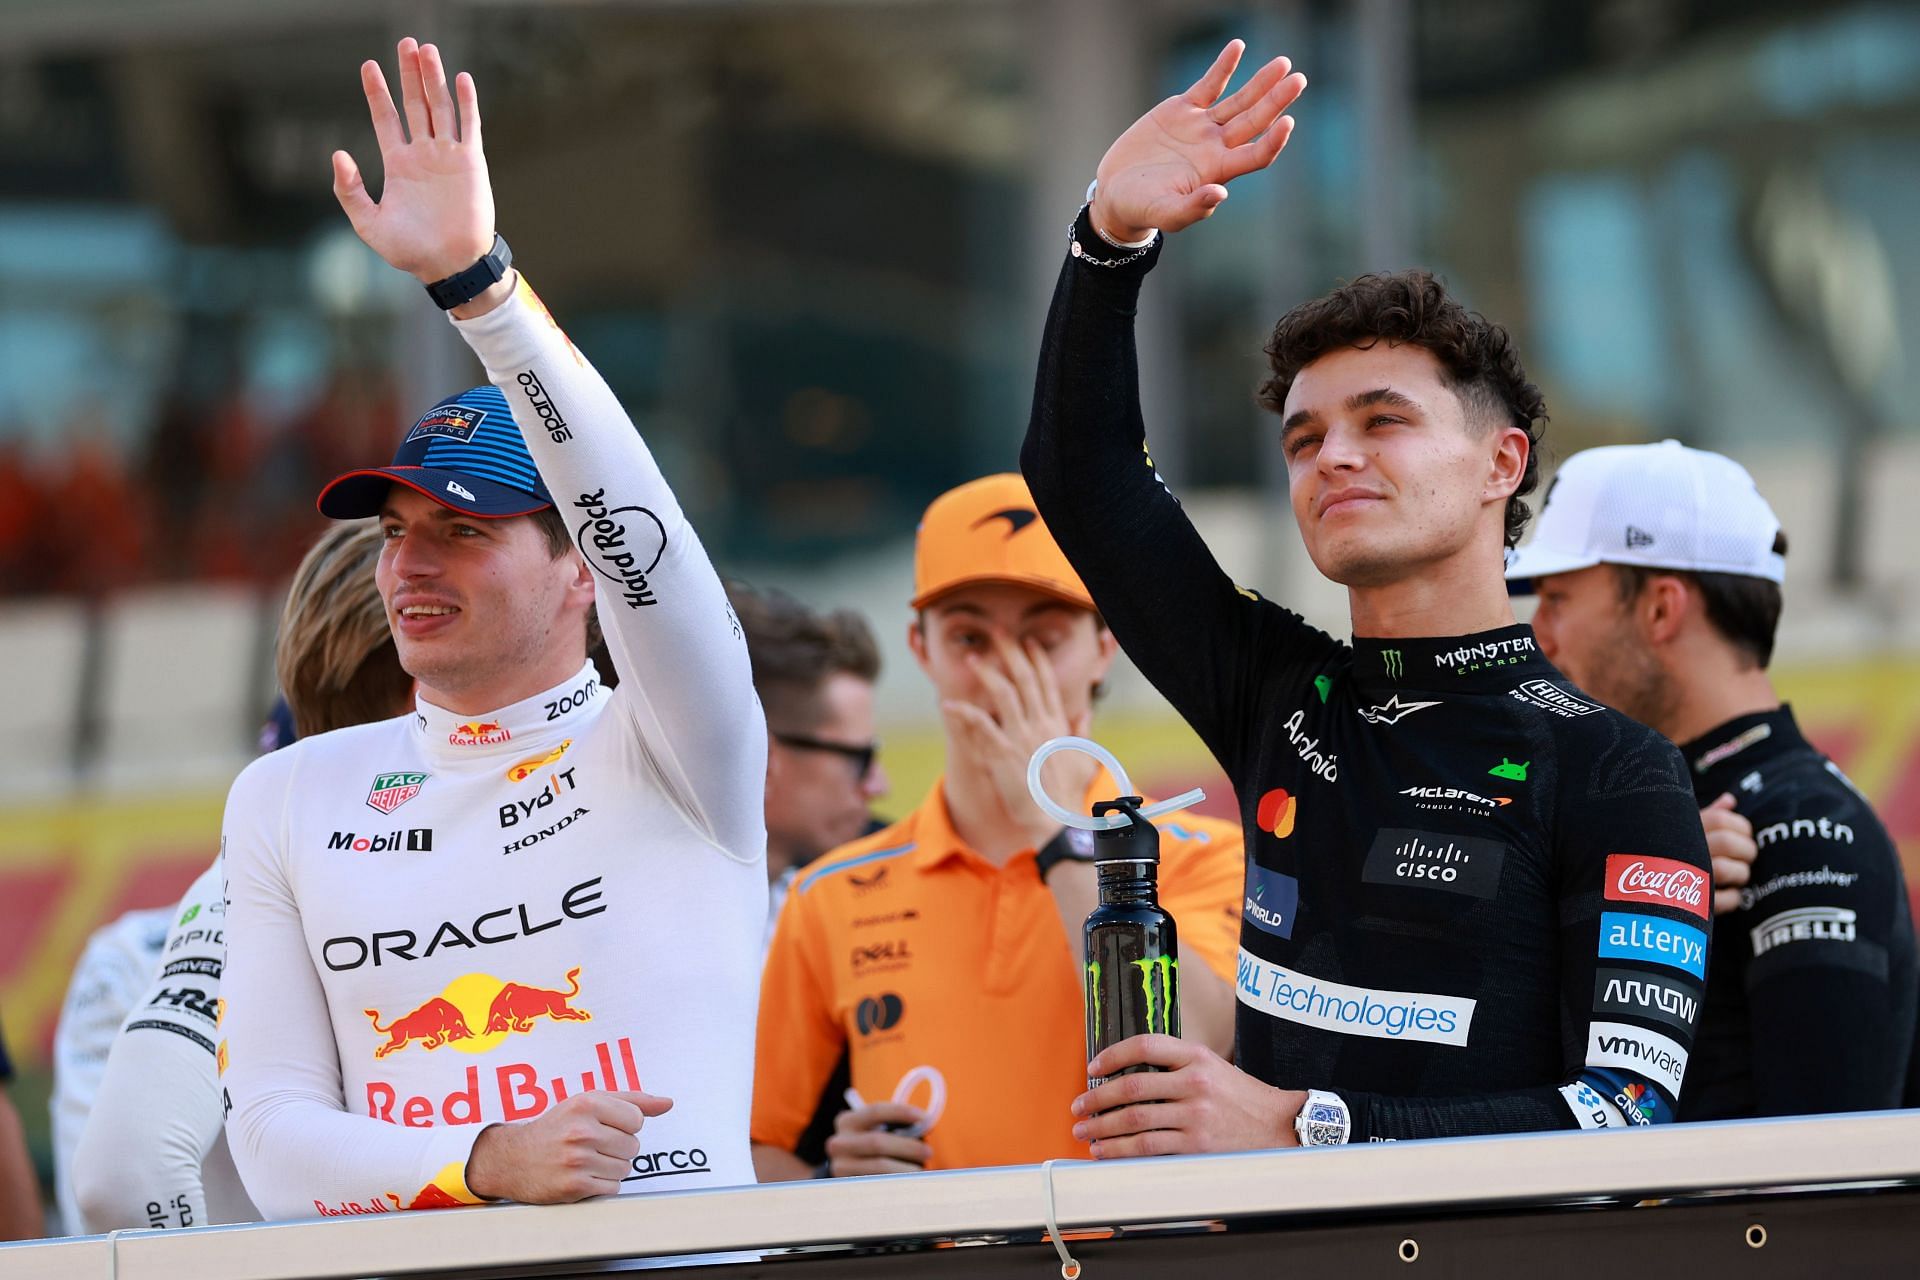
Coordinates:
1590 1109
1646 1053
1664 882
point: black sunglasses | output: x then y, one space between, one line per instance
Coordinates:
861 756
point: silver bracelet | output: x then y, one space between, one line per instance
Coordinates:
1079 251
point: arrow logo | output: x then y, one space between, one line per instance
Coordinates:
1392 711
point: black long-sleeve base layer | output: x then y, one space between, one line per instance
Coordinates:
1811 997
1476 902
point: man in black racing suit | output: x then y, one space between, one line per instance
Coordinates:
1435 818
1664 605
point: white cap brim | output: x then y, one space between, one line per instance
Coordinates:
1531 562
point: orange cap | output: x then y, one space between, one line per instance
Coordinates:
987 530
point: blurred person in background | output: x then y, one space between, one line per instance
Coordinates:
815 674
154 1152
523 821
115 970
952 939
1438 832
1659 570
21 1217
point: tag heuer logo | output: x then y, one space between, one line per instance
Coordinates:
391 790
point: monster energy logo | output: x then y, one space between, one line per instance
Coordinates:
1093 989
1165 966
1391 658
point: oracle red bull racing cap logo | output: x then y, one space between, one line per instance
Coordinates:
391 790
476 1012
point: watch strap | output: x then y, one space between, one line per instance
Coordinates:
1070 845
465 286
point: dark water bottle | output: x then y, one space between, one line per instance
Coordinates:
1133 951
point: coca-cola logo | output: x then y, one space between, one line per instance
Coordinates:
1631 878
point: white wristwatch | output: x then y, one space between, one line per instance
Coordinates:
1323 1121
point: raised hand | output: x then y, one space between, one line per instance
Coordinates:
434 217
1171 168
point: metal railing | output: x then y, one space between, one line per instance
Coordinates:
1285 1190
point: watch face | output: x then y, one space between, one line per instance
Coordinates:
1326 1135
1325 1113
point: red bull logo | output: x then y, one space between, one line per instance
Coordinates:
516 1007
433 1024
479 733
527 768
479 1000
520 1091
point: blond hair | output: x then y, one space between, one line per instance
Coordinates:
335 657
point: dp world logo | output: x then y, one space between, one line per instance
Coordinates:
879 1013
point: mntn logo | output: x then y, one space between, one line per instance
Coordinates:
879 1013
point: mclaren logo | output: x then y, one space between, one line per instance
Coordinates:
1017 518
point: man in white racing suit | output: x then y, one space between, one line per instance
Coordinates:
507 946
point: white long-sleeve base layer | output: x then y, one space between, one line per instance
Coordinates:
443 921
115 967
154 1153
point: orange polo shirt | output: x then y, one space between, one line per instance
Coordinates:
908 948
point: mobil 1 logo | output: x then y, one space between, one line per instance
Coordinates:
1424 859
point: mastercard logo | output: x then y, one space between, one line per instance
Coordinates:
1276 813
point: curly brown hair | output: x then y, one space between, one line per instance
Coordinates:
1475 355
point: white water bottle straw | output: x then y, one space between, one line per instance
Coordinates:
1085 822
903 1094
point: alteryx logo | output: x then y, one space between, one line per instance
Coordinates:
1272 901
1634 937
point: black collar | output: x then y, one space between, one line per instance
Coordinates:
1742 745
1487 661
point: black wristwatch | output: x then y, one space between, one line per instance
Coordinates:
1071 845
467 285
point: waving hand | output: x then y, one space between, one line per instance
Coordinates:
1171 168
435 213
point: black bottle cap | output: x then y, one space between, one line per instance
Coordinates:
1138 841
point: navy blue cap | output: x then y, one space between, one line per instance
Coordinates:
465 453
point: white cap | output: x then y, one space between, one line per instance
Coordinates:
1660 506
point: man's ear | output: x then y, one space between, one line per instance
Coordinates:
1508 465
582 576
917 641
1665 608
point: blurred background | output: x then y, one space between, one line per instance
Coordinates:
811 245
